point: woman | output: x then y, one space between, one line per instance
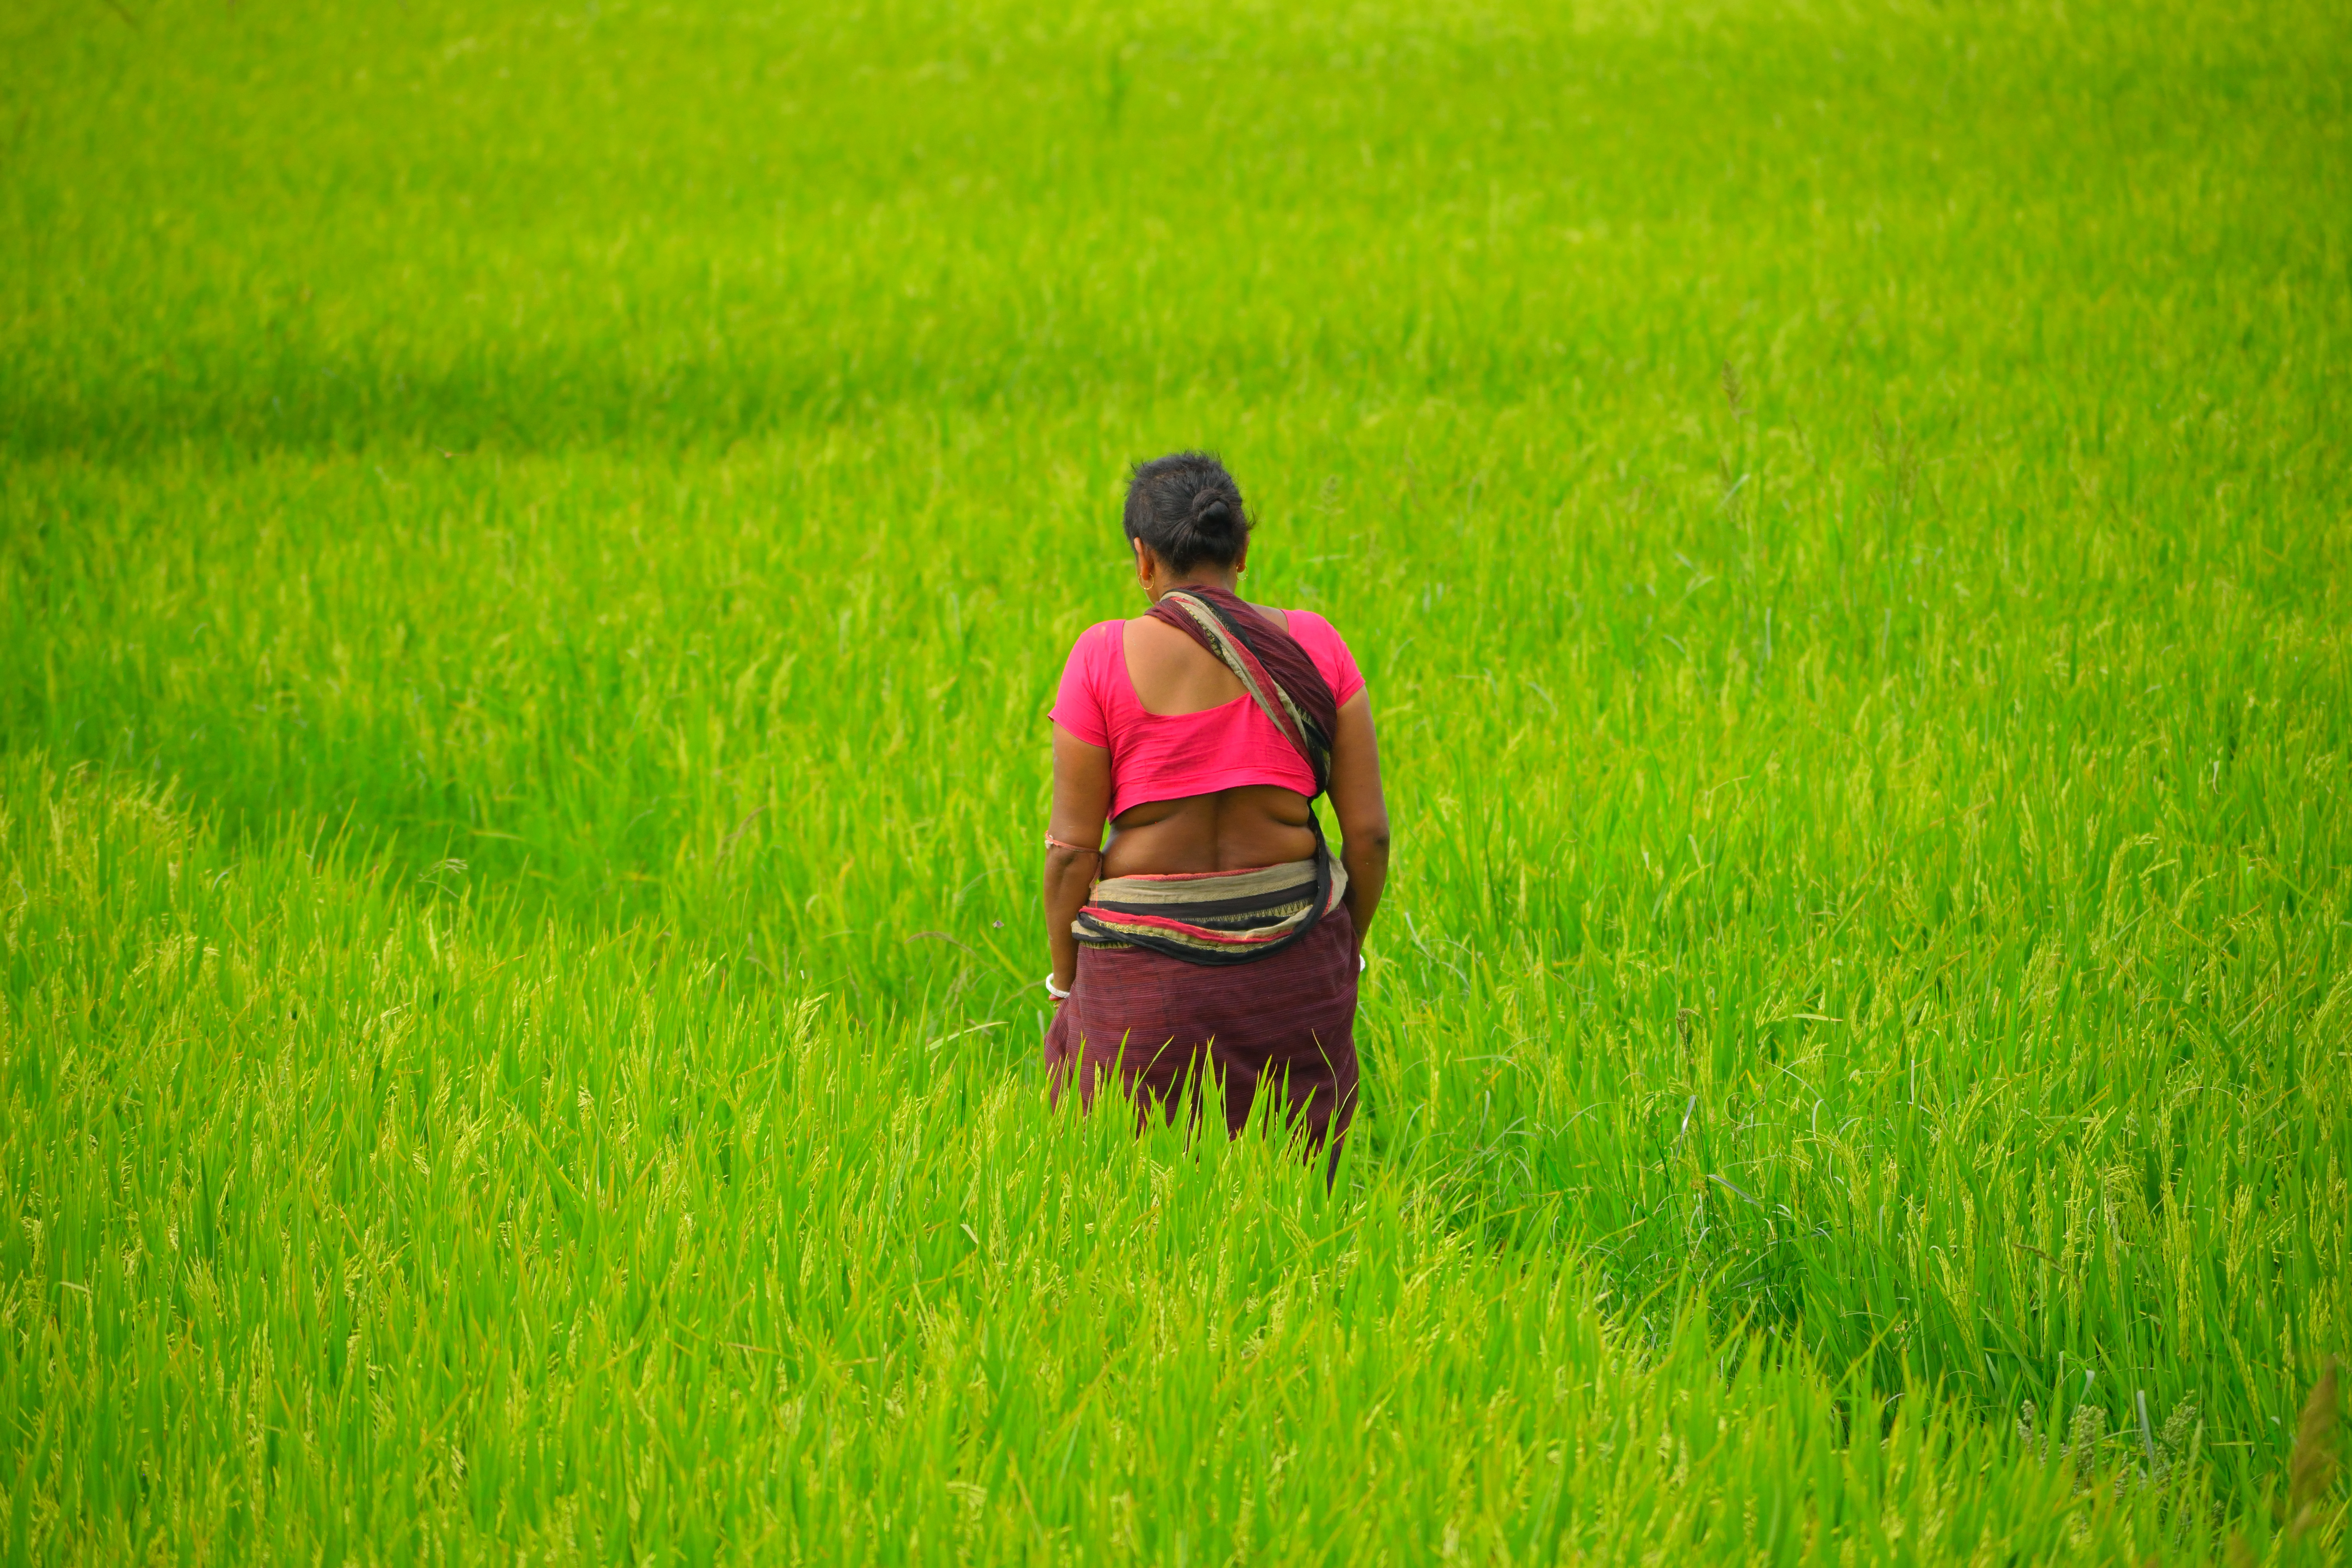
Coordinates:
1214 930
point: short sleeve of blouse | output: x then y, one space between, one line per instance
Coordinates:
1078 706
1325 646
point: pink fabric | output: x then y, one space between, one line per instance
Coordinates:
1156 757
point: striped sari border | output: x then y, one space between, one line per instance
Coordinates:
1207 914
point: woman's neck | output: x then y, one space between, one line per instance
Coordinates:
1228 580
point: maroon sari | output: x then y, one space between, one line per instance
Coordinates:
1170 1029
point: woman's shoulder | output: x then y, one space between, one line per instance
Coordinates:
1312 629
1095 650
1098 638
1329 651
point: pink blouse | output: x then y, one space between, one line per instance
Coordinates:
1169 756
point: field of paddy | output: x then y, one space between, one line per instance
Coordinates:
536 542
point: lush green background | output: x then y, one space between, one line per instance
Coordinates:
537 544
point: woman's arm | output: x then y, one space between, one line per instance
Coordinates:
1081 801
1361 810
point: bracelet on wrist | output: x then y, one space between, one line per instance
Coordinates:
1056 991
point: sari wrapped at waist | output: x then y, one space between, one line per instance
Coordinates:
1213 917
1282 1024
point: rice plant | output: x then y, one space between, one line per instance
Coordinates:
535 545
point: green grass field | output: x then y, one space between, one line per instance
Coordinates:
535 544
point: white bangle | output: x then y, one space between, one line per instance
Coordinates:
1056 991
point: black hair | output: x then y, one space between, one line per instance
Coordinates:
1187 508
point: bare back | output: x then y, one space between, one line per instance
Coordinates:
1254 825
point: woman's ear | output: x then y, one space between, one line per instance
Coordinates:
1144 561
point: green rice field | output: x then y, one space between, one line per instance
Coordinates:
536 542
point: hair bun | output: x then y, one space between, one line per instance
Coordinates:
1186 509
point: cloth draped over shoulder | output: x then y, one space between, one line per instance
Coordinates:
1272 667
1235 917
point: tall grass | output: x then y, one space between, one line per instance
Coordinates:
537 544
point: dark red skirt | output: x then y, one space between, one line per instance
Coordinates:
1285 1024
